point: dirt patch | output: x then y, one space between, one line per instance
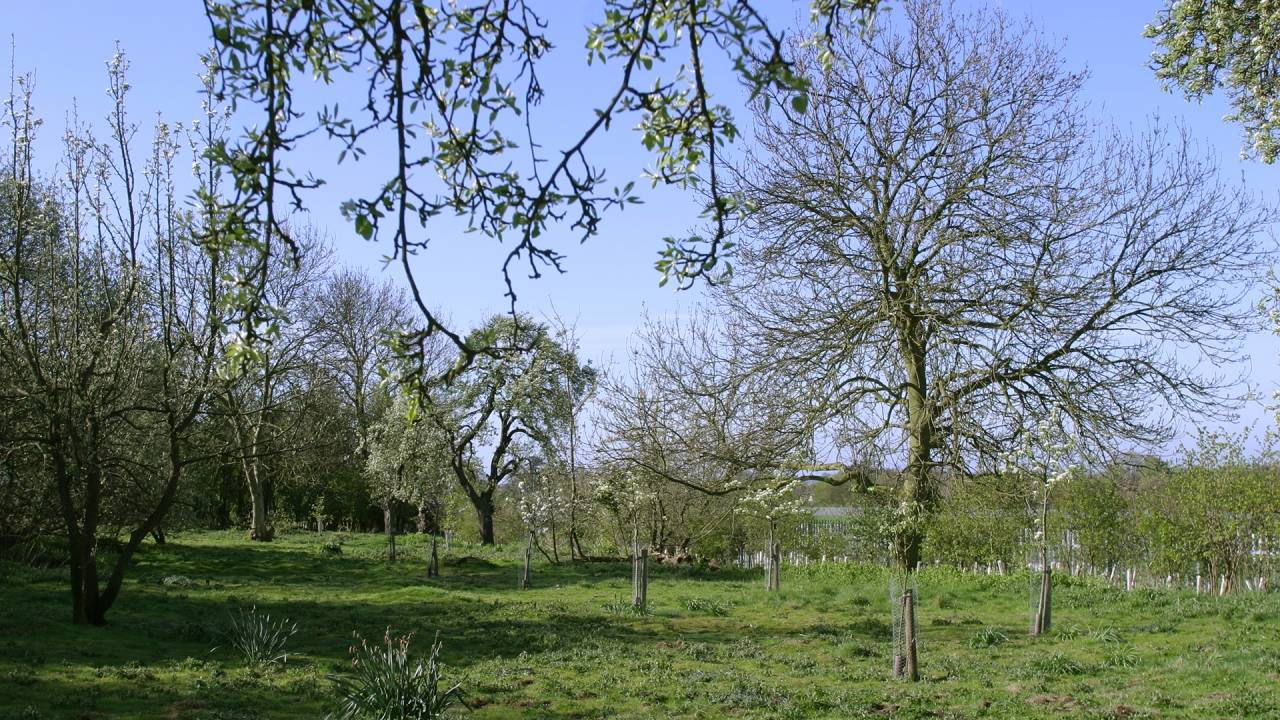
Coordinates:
1064 703
180 709
470 561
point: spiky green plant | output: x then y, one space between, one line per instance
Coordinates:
389 684
260 639
987 637
711 607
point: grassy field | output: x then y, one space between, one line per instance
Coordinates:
713 645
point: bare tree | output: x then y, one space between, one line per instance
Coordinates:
266 384
945 244
693 412
354 319
563 464
702 431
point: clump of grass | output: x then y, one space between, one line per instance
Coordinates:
1108 634
1068 632
854 649
1055 665
988 637
624 607
260 639
390 685
332 547
873 627
1121 655
710 607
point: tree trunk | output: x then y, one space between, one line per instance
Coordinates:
639 573
773 560
916 491
555 542
90 601
484 516
1040 621
775 566
391 532
526 575
433 565
909 634
259 523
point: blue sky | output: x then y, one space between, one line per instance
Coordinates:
610 280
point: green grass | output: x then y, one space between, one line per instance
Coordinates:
713 644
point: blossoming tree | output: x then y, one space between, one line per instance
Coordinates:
773 502
1046 454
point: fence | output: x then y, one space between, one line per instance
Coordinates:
1065 557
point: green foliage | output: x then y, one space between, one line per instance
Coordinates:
1208 509
981 521
259 639
1094 507
389 684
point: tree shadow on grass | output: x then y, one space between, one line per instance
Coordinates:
179 597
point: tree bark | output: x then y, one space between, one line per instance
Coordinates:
773 561
909 634
526 575
639 573
433 565
259 523
775 566
483 504
389 527
1041 620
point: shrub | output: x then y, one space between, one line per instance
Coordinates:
390 685
260 639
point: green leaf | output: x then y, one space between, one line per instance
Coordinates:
364 227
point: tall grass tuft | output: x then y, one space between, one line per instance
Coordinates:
390 685
260 639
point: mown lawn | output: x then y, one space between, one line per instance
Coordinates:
714 644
